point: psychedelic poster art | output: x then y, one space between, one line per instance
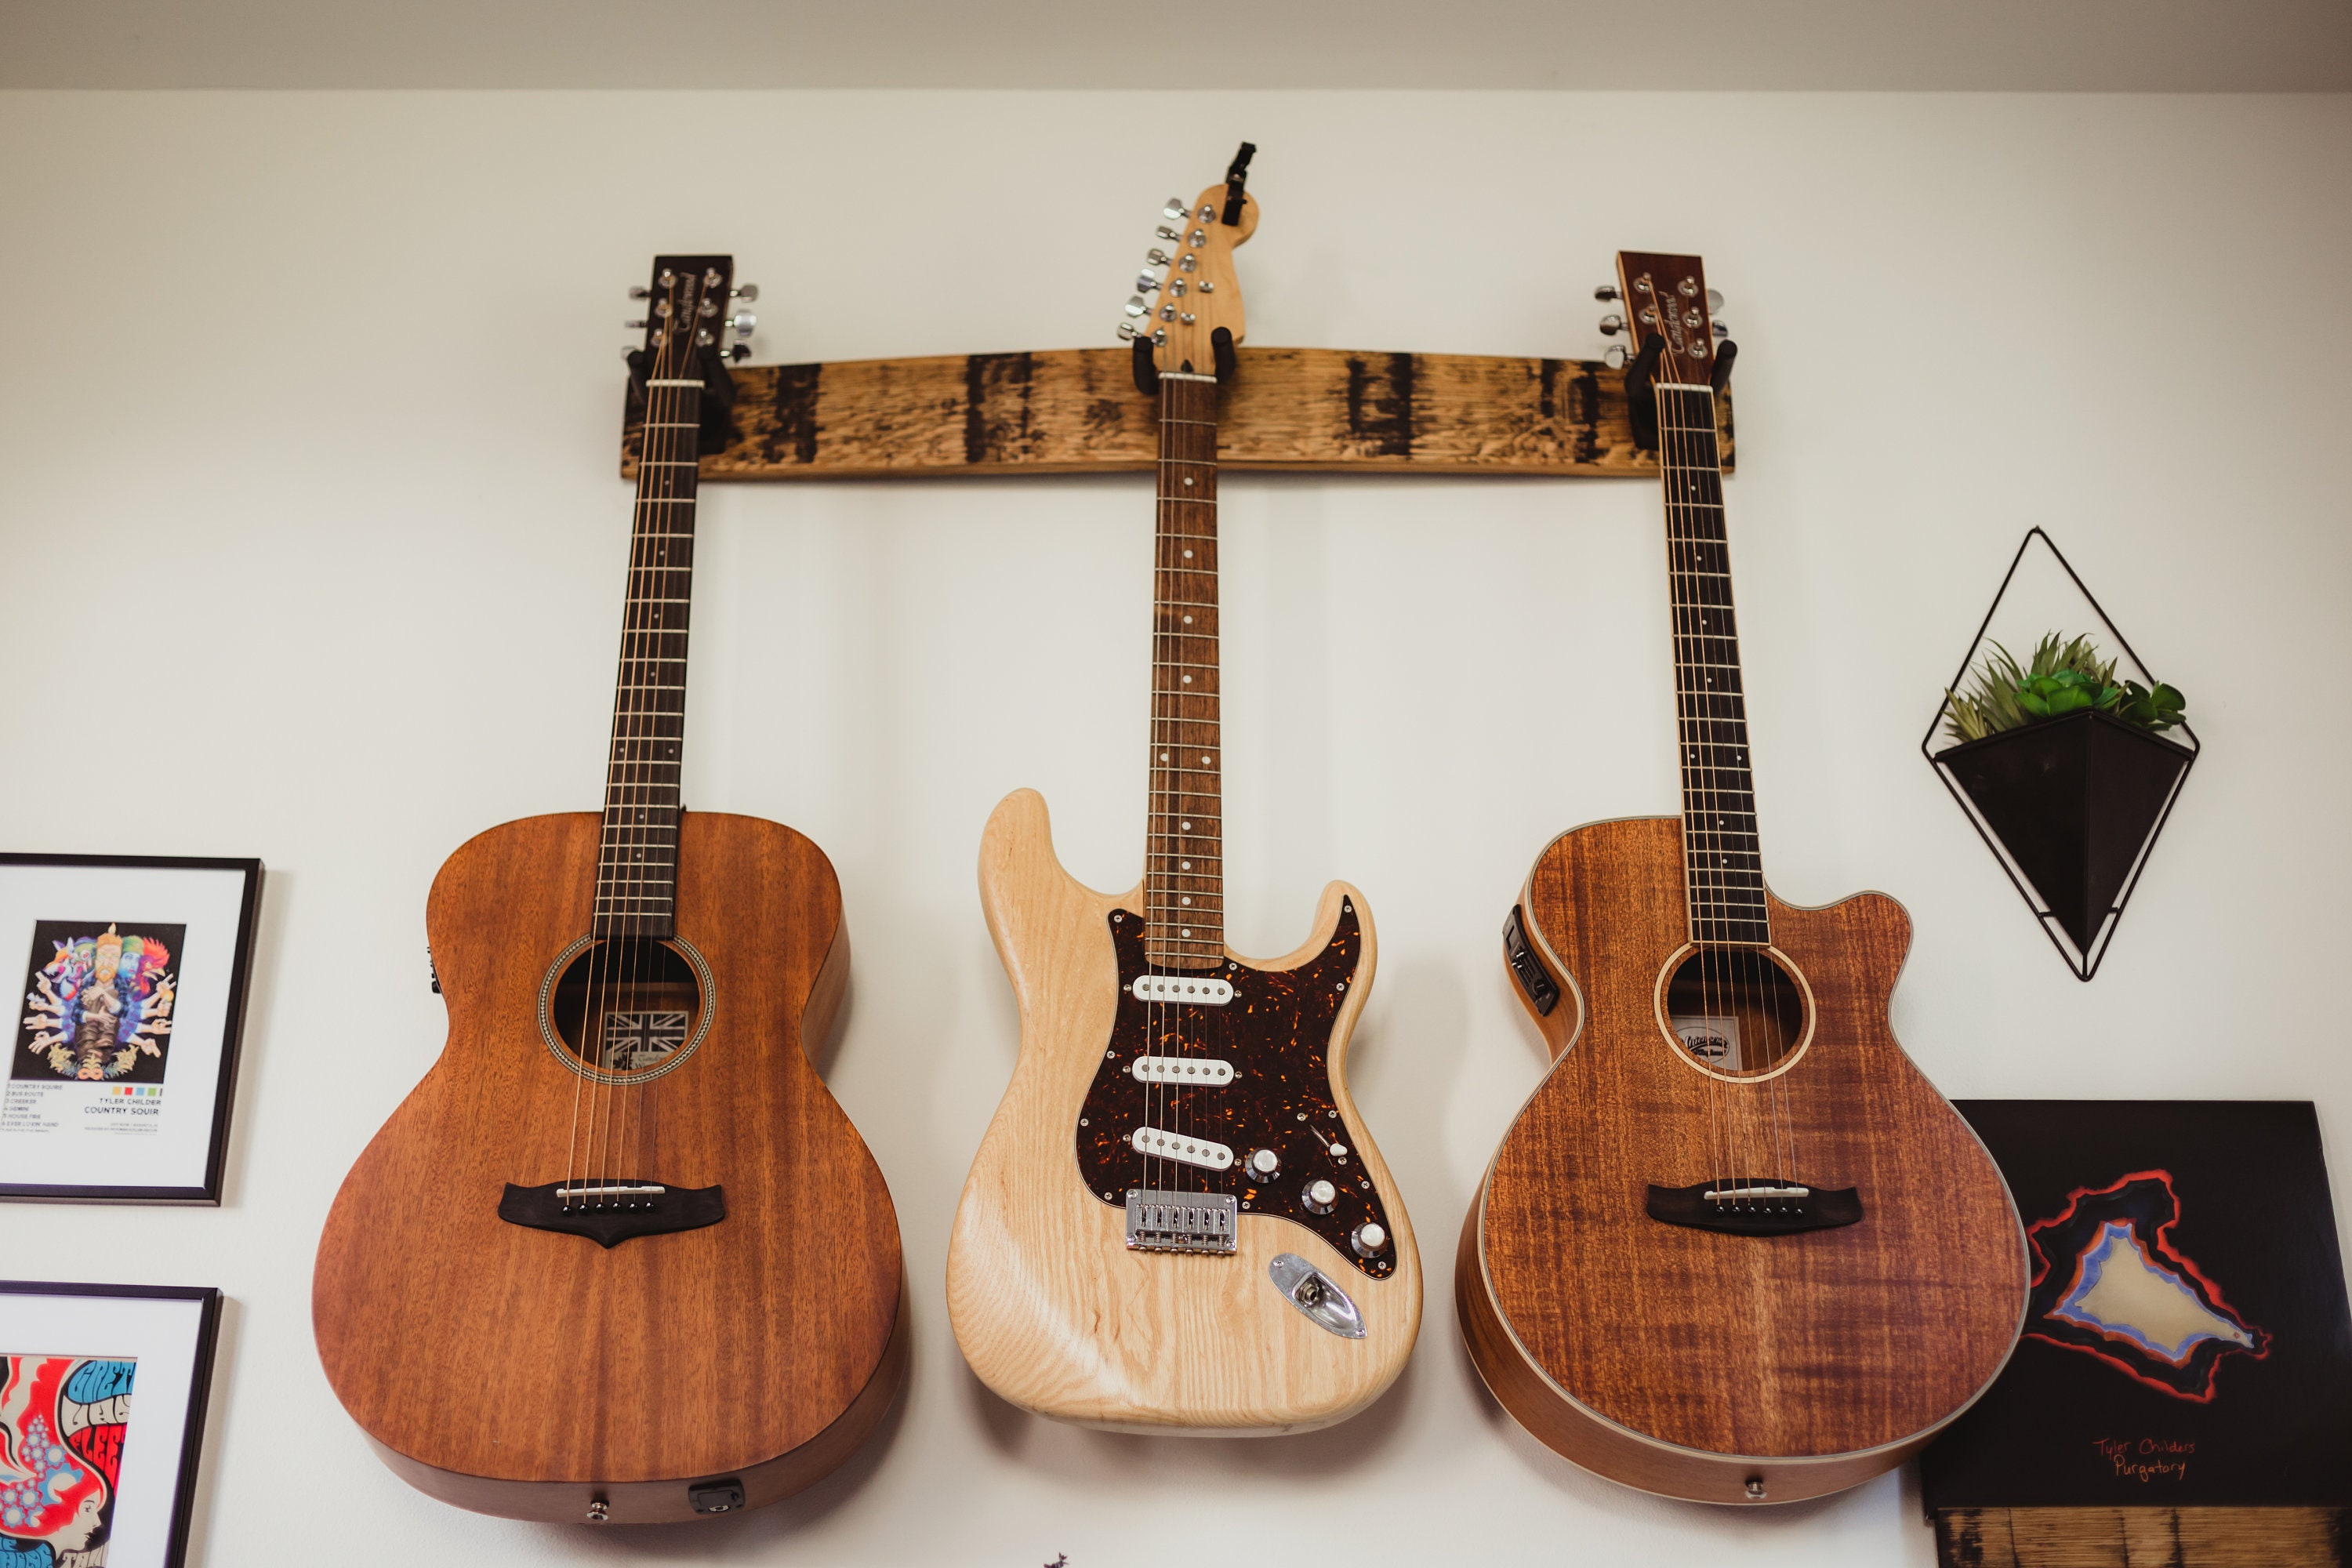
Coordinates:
98 1001
63 1419
122 1034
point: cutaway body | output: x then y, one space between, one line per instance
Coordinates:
1703 1362
525 1371
1053 1308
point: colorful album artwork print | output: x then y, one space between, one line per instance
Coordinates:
62 1422
98 1001
2107 1281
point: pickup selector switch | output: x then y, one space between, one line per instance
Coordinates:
1319 1197
1265 1163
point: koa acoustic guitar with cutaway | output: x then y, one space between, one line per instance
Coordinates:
1735 1248
620 1256
1177 1221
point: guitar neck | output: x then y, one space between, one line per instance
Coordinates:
1184 880
1722 857
636 867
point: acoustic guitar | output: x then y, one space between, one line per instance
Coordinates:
1177 1221
1735 1248
620 1256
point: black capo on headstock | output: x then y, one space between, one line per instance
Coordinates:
1642 387
1236 176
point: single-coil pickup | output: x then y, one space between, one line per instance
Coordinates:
1198 1071
1201 990
1185 1151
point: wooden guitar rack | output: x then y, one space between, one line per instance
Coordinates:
1076 411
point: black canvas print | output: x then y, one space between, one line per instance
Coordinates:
98 1002
2186 1340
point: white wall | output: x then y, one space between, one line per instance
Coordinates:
308 418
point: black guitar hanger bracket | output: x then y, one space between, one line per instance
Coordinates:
1642 387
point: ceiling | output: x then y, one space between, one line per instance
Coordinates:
2270 46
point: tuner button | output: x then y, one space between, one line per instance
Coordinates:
744 323
1164 232
1713 300
1368 1238
749 293
739 353
1605 293
1127 332
636 326
1145 280
1136 307
1155 257
1615 357
1319 1197
1177 208
1611 325
639 291
1721 330
1265 1163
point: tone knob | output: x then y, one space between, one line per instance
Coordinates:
1319 1197
1264 1161
1369 1240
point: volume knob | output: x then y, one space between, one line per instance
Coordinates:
1264 1161
1319 1197
1369 1238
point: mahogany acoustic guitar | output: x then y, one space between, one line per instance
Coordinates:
1735 1248
620 1256
1177 1221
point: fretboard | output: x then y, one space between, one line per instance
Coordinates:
637 871
1184 869
1722 859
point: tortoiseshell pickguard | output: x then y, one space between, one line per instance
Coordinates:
1277 1034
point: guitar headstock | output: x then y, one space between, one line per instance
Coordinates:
689 308
1186 291
1666 302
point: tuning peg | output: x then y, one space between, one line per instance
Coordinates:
636 326
749 293
1721 330
1606 293
744 322
1146 281
1611 325
1713 300
1155 257
1136 307
1164 232
639 291
739 352
1177 208
1127 332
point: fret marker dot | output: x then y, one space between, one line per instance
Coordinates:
1184 865
1188 484
1163 756
1184 900
1185 826
1186 931
1204 762
1188 680
1188 620
1188 555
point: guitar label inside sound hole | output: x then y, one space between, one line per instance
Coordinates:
627 1009
1736 1011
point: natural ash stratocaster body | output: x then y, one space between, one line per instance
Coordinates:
1177 1221
533 1374
1695 1363
1053 1309
1735 1248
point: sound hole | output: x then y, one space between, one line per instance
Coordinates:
1734 1011
626 1006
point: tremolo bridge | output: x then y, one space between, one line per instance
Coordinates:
1179 1222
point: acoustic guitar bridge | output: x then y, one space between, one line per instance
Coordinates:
1755 1205
610 1213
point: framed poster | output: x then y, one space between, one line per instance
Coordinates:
129 978
2187 1341
102 1393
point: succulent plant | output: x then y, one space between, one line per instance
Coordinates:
2062 677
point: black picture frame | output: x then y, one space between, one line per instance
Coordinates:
204 1353
207 1193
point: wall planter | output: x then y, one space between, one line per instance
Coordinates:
2072 807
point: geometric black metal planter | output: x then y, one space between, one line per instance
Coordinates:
2070 806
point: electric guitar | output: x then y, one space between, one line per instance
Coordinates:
1177 1220
620 1256
1735 1248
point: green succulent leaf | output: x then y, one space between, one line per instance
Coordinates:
2063 676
